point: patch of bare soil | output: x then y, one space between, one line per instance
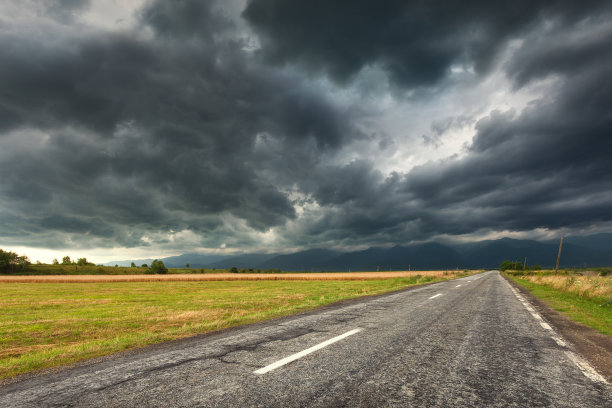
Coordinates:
595 347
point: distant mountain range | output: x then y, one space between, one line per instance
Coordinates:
594 250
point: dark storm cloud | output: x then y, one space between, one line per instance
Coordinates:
124 138
561 51
184 19
547 166
416 42
122 132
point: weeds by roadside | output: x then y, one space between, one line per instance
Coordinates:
584 296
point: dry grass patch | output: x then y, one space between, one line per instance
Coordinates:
588 287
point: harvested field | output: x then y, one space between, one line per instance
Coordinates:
227 277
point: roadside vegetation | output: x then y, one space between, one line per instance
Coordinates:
583 295
44 325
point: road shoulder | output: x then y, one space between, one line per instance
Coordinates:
595 347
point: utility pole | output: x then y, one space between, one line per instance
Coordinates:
525 263
559 255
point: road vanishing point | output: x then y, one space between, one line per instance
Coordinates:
469 342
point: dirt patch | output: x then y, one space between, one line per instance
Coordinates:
589 343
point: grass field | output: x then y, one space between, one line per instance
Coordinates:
585 299
47 324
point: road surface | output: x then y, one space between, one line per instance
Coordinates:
466 342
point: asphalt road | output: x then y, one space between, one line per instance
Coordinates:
466 342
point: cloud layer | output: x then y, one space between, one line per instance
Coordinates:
176 132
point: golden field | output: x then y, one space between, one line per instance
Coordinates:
228 277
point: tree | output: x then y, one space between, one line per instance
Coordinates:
133 265
55 261
509 265
82 262
186 265
66 260
158 267
233 269
144 266
11 262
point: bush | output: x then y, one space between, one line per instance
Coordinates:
233 269
158 267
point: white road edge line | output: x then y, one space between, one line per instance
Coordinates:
457 286
303 353
435 296
582 364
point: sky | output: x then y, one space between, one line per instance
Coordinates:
139 129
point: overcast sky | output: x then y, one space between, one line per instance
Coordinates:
132 129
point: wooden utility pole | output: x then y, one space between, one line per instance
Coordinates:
525 263
559 255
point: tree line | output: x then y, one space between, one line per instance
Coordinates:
12 262
518 266
67 261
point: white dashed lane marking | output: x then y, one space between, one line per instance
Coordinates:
303 353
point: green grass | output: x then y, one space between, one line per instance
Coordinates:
44 325
593 312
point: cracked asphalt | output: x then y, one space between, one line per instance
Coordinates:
475 345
